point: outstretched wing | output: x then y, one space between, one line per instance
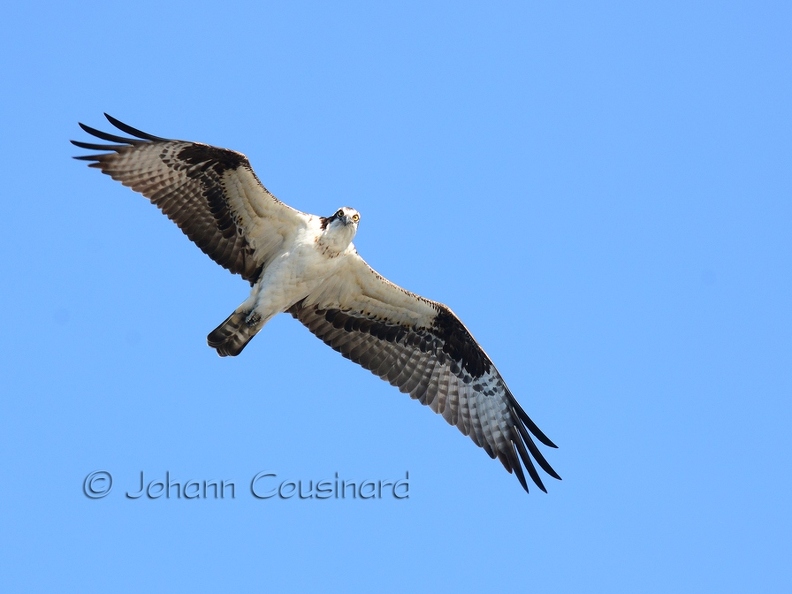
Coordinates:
423 349
211 193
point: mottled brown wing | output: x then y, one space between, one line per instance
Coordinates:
211 193
423 349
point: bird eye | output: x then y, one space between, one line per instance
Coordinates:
340 213
356 217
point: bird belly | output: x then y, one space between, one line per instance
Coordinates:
290 277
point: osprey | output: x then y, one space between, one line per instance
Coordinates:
306 265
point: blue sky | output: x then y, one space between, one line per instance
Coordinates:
601 191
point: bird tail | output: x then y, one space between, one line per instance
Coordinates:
230 337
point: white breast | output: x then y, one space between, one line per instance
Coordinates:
300 268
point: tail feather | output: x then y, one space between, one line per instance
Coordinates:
230 337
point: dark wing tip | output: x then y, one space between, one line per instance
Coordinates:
521 477
108 137
510 459
120 142
523 416
536 454
523 447
133 131
98 147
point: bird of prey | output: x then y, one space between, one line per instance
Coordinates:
307 266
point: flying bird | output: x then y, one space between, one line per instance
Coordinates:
307 266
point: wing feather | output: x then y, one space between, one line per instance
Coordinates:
423 349
211 193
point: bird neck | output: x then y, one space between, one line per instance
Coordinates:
335 239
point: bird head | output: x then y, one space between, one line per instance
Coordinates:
339 229
345 216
